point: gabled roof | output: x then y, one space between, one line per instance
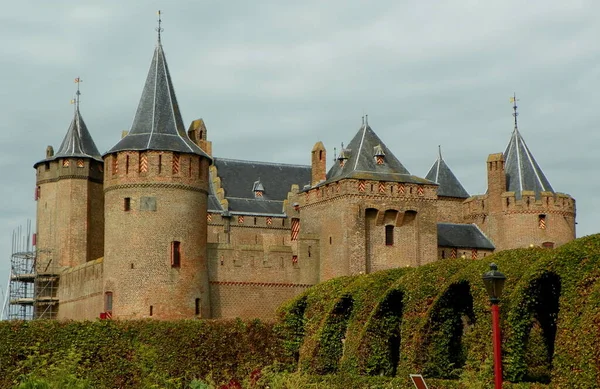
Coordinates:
449 186
462 236
157 124
77 142
361 164
238 179
522 170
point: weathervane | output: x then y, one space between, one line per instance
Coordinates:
77 94
515 113
159 29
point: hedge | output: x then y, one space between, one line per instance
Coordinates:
435 320
139 354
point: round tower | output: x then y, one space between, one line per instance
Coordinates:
70 200
156 188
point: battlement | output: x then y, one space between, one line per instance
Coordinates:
528 203
65 168
399 190
155 166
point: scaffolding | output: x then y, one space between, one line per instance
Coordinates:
33 280
21 290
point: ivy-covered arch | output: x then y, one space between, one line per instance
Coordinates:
443 353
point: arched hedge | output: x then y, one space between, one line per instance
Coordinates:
439 323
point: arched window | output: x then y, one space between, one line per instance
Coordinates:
389 235
108 301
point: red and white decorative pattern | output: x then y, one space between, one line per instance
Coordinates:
115 164
295 259
381 187
80 163
143 163
542 222
361 186
65 163
208 217
453 254
474 254
420 190
175 163
269 220
241 219
258 193
379 159
295 228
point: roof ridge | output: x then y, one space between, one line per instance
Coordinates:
257 162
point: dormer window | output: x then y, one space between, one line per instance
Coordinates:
344 155
258 189
378 154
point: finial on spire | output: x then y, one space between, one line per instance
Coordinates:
159 29
515 113
440 151
363 120
366 120
75 101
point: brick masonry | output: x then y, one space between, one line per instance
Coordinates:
110 228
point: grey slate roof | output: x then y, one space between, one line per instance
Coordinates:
238 180
157 124
77 142
522 170
462 236
449 186
361 161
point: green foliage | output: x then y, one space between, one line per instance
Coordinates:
550 321
133 354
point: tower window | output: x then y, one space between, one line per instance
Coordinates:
542 222
115 164
108 301
127 164
159 163
175 163
295 229
389 235
65 163
443 254
197 305
151 310
127 204
320 155
175 254
379 159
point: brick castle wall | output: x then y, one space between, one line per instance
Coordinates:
165 205
80 292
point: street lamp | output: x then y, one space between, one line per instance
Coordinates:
494 283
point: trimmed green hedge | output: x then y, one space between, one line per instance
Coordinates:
139 354
440 324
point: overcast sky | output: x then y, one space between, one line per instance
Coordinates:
271 78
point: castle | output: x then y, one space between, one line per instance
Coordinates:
159 228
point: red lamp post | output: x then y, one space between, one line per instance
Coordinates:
494 283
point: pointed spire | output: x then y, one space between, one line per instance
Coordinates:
157 124
77 141
522 170
361 164
441 174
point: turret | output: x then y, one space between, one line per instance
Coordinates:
156 185
318 164
70 200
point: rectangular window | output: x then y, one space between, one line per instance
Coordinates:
127 204
159 163
108 301
175 254
295 228
197 303
542 222
175 163
389 235
151 310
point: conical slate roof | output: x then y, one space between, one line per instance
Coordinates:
449 186
157 124
361 162
522 170
77 142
